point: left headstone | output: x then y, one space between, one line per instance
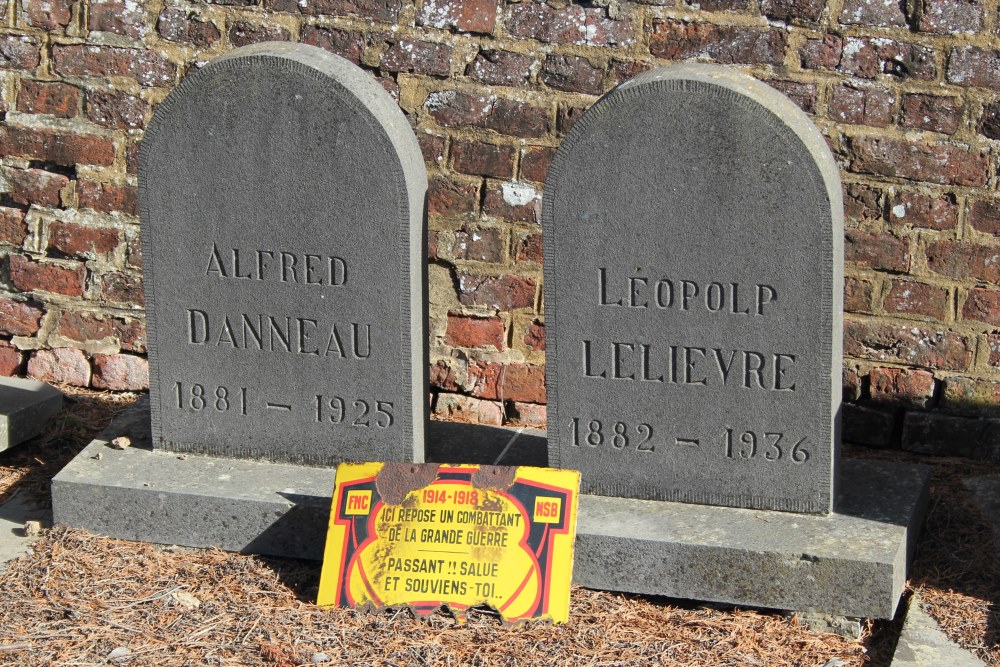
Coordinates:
25 408
282 201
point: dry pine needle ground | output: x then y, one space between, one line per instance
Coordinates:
79 599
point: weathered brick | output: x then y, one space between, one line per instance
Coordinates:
116 110
932 112
431 147
993 343
482 244
946 17
532 415
242 33
534 336
349 44
124 17
623 70
448 196
176 24
506 292
459 408
84 326
729 45
123 288
473 331
925 211
34 186
964 261
20 318
11 360
877 251
910 297
48 14
56 99
529 249
379 10
28 275
500 68
408 55
862 203
858 295
912 345
902 387
109 197
452 108
443 375
793 10
566 118
804 95
535 161
515 202
519 119
132 157
974 66
466 16
133 257
723 5
989 123
984 216
71 239
861 105
571 24
19 52
975 397
982 305
62 365
482 159
944 435
873 13
120 372
13 228
233 3
517 382
572 74
868 426
853 381
824 53
146 66
867 57
935 163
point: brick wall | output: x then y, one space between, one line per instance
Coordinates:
908 94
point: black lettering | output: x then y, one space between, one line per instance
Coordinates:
689 365
644 368
261 264
303 323
719 297
338 271
197 327
689 290
226 335
616 373
236 266
724 367
586 362
765 294
602 289
362 351
274 328
779 372
757 369
659 293
310 270
254 333
288 263
634 283
334 344
216 261
736 301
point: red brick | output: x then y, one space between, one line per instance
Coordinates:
856 105
935 163
242 33
11 360
852 381
349 44
971 396
109 197
572 74
34 186
432 245
134 256
535 161
379 10
458 408
447 196
123 17
944 435
873 14
793 10
176 24
989 124
500 68
858 295
534 336
515 202
482 244
443 376
903 387
729 45
867 57
60 365
531 415
932 112
28 275
569 25
472 331
85 326
123 288
982 305
432 148
20 318
116 110
984 216
416 56
877 251
724 5
964 261
910 297
48 14
56 99
19 52
805 95
623 70
65 148
909 344
973 66
146 66
867 426
507 292
71 239
13 228
514 382
529 249
862 203
993 341
233 3
120 372
132 157
390 85
824 53
482 159
519 119
945 17
566 118
466 16
924 211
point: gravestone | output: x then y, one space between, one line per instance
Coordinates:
282 201
693 231
25 408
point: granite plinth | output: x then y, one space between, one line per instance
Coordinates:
25 408
850 563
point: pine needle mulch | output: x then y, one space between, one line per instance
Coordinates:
80 599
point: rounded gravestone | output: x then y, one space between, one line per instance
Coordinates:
282 199
693 295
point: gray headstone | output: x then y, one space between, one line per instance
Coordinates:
25 408
693 289
282 200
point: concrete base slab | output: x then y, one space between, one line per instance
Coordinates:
25 409
923 644
985 492
13 515
851 563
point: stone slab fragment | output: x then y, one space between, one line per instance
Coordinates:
693 229
25 408
985 492
13 515
852 563
923 644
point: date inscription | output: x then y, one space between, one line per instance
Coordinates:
354 412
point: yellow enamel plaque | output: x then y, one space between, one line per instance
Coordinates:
457 535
